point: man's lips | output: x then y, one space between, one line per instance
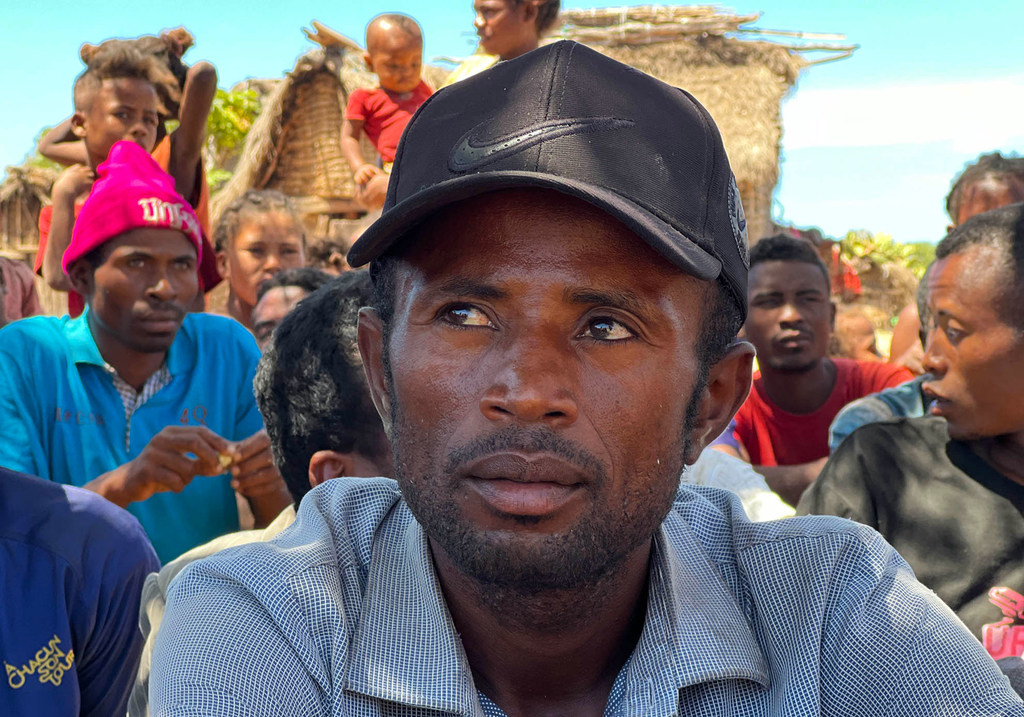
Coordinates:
161 321
935 403
792 338
525 484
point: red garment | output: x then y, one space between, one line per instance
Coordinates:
18 290
209 277
774 437
383 118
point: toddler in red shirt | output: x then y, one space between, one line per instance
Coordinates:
394 50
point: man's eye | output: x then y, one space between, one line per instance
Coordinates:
464 315
605 329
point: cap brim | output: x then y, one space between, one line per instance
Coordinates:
397 221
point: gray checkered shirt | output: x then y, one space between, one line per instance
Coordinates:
133 399
342 614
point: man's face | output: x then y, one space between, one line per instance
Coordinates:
119 109
140 294
790 316
977 359
271 309
543 359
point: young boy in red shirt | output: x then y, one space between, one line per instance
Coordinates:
116 98
394 50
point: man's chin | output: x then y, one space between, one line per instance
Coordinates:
793 365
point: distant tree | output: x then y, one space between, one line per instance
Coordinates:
882 249
230 119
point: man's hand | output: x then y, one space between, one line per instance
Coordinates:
170 461
255 476
73 182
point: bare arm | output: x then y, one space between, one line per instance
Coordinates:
187 139
363 172
790 482
60 145
71 184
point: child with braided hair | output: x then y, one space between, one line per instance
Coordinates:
258 235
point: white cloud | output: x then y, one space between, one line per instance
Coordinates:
975 116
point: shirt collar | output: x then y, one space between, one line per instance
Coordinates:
83 346
403 618
693 625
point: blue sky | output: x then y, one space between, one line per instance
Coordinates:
870 142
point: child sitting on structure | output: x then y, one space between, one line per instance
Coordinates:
258 235
126 92
394 50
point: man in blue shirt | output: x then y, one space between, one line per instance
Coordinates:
559 274
73 566
135 399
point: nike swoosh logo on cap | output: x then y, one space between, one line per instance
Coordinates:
472 151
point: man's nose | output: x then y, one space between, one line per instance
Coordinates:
934 361
536 384
162 289
788 314
479 22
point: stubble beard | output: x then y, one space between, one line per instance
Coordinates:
541 578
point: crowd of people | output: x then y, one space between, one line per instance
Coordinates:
552 438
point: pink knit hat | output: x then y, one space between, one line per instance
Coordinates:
131 192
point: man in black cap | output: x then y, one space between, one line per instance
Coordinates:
559 275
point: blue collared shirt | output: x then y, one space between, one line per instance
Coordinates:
62 418
342 614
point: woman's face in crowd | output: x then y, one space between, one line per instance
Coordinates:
264 245
506 29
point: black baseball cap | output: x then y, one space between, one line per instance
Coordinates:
567 118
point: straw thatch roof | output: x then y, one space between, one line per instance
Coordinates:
24 191
294 145
734 70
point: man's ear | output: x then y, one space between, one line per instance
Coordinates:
531 10
82 277
832 316
368 60
371 349
727 388
78 124
324 465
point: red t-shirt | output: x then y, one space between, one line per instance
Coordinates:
774 437
207 272
383 118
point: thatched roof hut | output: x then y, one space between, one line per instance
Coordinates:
24 191
734 71
294 145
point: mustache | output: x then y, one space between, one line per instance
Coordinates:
536 440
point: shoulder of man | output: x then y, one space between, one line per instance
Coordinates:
35 335
218 333
74 525
873 458
337 523
873 376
